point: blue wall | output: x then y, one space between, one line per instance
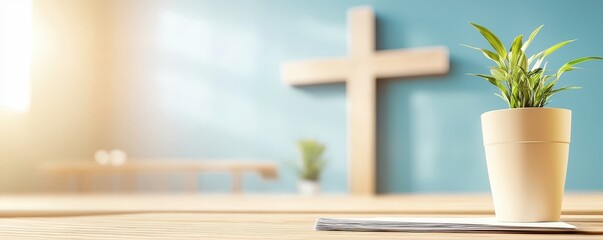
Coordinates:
218 93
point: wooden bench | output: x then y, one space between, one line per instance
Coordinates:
83 174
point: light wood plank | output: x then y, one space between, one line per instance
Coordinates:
362 102
242 226
411 62
362 113
260 217
315 71
62 205
361 33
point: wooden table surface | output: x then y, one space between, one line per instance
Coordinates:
254 217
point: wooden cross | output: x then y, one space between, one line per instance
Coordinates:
360 70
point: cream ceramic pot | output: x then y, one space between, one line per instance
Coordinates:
308 188
527 151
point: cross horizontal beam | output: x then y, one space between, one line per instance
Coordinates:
383 64
315 71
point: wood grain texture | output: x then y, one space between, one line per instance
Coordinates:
257 217
65 205
360 69
240 226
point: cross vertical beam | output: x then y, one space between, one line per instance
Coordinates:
361 98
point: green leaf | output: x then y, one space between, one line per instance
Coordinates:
564 88
489 78
515 51
535 71
503 97
554 48
492 39
530 38
487 53
537 55
570 65
498 74
516 46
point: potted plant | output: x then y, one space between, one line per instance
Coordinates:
311 166
527 145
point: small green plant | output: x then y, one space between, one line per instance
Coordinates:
523 81
312 162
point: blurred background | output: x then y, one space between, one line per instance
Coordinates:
197 80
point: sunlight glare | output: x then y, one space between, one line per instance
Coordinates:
15 54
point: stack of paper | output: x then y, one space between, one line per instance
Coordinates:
436 225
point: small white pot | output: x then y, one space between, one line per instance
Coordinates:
308 188
527 152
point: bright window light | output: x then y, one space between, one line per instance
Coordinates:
15 54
